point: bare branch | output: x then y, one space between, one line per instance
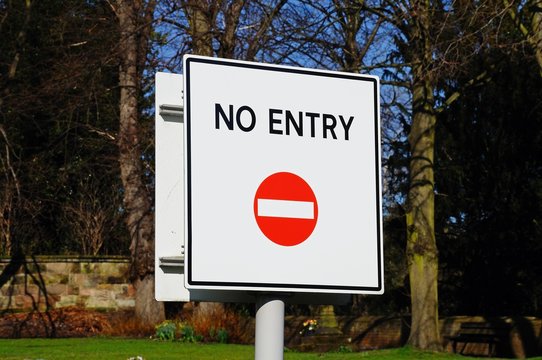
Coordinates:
257 39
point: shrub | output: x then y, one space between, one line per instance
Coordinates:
219 324
220 336
166 330
189 335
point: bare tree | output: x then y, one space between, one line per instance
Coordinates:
422 254
10 183
432 40
10 193
54 97
88 218
536 30
336 35
236 29
531 27
135 29
415 39
201 17
225 28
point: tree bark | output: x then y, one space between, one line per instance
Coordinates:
232 15
531 31
422 254
260 38
536 37
20 46
137 201
201 17
350 20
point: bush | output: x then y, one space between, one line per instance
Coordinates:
219 324
166 331
220 336
189 335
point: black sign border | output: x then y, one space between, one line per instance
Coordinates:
279 287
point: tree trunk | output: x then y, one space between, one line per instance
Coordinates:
533 30
231 22
137 202
148 311
536 38
422 254
201 16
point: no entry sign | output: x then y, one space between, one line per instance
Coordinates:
286 209
282 178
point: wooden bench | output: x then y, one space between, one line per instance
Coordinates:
481 333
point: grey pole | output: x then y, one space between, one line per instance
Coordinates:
269 327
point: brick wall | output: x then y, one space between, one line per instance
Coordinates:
93 283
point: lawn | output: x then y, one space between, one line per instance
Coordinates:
114 348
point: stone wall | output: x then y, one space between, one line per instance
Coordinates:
102 284
92 283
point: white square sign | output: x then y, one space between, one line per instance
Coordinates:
282 178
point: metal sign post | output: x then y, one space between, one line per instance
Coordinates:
269 327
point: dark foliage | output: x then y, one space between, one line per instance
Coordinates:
58 107
489 190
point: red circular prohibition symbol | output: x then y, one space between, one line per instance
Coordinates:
285 209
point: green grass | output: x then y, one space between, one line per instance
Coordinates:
114 348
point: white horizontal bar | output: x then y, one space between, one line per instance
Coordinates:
286 208
171 110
